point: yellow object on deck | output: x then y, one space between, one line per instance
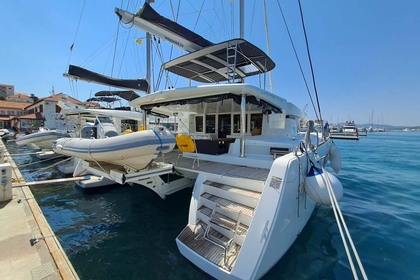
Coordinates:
185 143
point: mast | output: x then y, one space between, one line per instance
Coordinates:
268 44
243 97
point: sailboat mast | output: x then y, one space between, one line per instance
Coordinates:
243 97
148 58
268 44
148 70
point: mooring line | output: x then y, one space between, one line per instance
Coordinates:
342 224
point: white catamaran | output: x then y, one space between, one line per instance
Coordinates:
255 180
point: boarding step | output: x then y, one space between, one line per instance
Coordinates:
209 200
239 195
207 249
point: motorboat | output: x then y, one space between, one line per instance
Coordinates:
41 139
348 131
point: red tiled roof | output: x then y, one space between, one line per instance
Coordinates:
57 97
12 105
35 116
19 95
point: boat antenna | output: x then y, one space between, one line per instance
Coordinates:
310 60
297 59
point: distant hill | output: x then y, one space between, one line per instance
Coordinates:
385 126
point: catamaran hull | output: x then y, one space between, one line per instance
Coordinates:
135 150
278 218
41 139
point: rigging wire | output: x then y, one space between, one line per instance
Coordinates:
72 88
199 13
252 20
232 14
297 58
115 49
75 35
310 61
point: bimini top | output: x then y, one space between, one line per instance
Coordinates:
186 98
233 59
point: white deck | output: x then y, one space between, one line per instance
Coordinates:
219 168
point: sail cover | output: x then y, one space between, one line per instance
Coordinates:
102 99
128 95
211 65
89 76
150 21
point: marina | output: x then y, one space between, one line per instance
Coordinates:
103 231
199 166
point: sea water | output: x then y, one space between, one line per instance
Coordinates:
125 232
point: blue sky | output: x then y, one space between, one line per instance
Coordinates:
366 54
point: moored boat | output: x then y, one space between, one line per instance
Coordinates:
41 139
348 131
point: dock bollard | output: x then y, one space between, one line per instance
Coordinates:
5 182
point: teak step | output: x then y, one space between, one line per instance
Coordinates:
230 188
210 200
239 195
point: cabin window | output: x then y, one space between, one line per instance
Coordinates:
210 123
277 121
224 125
225 106
237 123
199 124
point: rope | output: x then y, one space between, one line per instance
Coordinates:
40 161
342 224
310 60
36 153
48 167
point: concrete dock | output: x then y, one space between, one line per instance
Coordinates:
29 248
